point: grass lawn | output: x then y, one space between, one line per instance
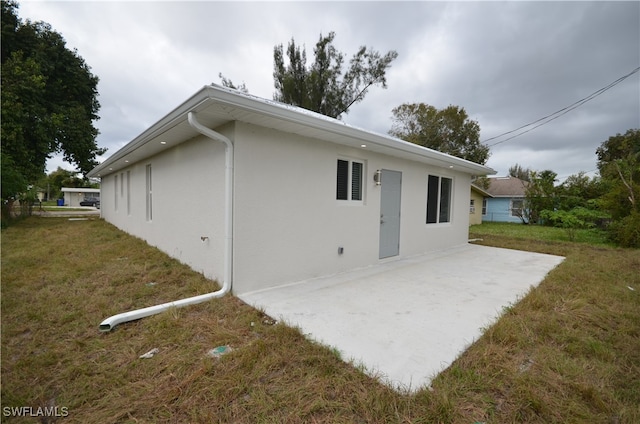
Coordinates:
568 352
540 233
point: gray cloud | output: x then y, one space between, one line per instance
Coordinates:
506 63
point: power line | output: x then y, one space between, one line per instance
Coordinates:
555 115
567 176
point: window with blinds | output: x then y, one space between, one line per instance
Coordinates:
349 180
356 181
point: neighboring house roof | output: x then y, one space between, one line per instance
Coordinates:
216 106
480 190
507 187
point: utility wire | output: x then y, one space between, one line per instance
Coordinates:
555 115
564 177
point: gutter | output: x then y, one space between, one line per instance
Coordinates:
111 322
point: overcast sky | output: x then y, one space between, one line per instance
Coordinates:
507 63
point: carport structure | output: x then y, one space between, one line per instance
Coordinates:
407 320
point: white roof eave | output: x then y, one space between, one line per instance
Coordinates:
212 96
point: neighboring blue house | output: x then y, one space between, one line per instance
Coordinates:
507 201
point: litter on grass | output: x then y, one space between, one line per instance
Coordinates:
219 351
150 354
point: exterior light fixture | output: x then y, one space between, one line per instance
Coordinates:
163 142
377 177
363 145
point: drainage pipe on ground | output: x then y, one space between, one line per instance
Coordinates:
111 322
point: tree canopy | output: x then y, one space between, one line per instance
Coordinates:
619 166
226 82
324 87
579 190
609 201
540 194
49 101
447 130
519 172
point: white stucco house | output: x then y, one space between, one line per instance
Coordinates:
267 194
73 196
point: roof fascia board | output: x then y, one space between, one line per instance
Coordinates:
321 122
481 190
221 95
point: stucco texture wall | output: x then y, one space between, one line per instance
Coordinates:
187 203
289 225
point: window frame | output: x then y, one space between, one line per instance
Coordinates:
128 174
149 192
485 204
350 182
434 210
472 206
511 208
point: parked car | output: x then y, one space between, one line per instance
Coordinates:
91 201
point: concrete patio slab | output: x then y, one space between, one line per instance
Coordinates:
406 320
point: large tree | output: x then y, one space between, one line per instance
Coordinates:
324 87
447 130
49 100
579 190
540 194
519 172
619 166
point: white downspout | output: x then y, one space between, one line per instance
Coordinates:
111 322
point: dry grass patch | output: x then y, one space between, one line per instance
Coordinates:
568 352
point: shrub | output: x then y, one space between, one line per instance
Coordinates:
577 218
626 231
566 220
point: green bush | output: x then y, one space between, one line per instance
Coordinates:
590 216
575 219
563 219
626 231
568 221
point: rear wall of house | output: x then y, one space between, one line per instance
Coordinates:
289 225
